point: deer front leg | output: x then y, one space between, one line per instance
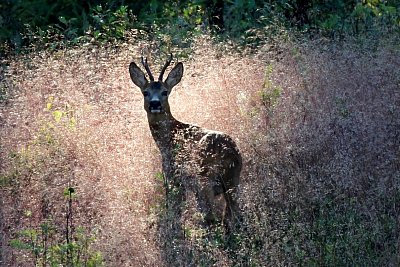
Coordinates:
230 182
172 179
167 172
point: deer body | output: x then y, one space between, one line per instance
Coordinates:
213 156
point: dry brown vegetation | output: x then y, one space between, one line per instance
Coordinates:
318 127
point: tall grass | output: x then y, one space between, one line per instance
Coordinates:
318 127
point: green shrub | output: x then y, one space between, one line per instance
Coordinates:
245 22
48 245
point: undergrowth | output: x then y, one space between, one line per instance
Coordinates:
317 124
50 245
30 25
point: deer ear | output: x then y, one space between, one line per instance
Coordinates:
175 76
137 76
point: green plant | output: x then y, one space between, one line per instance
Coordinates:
270 93
240 16
64 116
52 25
48 247
107 24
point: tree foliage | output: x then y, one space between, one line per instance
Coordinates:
102 20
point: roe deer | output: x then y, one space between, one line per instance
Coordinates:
215 154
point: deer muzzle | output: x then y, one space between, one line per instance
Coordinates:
155 106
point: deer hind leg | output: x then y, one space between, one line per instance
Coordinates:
231 209
206 199
207 206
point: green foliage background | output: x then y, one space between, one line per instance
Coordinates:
71 20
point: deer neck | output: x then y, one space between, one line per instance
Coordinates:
162 127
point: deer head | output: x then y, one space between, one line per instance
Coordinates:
156 93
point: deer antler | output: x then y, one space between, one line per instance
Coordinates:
146 66
165 67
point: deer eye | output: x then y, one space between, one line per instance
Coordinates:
164 93
145 93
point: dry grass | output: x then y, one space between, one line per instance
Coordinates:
331 163
320 184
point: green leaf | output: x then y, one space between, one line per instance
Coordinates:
70 191
19 244
28 213
159 176
72 122
63 20
30 233
57 115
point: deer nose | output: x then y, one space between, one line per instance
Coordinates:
155 103
155 106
